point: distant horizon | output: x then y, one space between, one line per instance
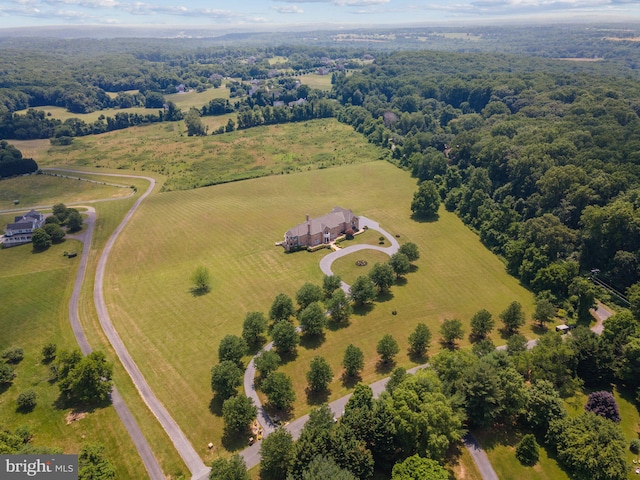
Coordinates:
289 15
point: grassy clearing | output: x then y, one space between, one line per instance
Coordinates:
501 450
46 279
184 101
347 269
47 190
231 229
189 162
321 82
629 414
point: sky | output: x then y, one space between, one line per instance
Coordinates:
248 14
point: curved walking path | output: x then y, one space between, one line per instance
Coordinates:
193 461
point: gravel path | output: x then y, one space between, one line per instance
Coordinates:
142 446
191 458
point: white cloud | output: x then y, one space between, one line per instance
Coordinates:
288 9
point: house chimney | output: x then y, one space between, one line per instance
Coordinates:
308 226
307 217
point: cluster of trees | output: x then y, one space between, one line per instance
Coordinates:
52 231
85 380
410 427
12 163
540 165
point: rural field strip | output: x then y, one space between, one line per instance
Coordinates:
193 461
148 458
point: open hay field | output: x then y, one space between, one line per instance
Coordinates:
45 280
231 229
46 190
321 82
184 101
190 162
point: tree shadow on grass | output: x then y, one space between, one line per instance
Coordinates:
215 405
334 326
348 381
63 402
288 357
317 397
539 330
25 409
418 359
4 387
506 333
384 296
413 268
385 367
425 219
234 441
362 310
254 348
312 342
199 291
451 346
401 281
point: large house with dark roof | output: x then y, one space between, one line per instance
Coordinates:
321 230
21 231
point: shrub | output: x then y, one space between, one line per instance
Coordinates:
6 374
604 404
349 234
527 451
49 352
26 401
13 355
634 446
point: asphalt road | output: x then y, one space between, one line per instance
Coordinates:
142 446
191 458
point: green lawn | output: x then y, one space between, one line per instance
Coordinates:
321 82
190 162
34 311
501 450
47 190
347 269
232 229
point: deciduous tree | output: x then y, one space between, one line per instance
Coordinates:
481 324
226 377
426 200
362 290
254 327
238 412
410 249
400 264
450 331
266 362
232 348
512 317
279 390
312 319
419 340
285 337
387 348
319 375
232 468
418 468
330 283
282 308
381 275
339 306
308 294
353 361
277 454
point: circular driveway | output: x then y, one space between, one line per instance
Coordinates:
327 261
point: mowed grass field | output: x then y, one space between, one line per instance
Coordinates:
33 312
231 229
47 190
184 101
189 162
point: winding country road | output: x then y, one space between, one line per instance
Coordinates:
193 461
